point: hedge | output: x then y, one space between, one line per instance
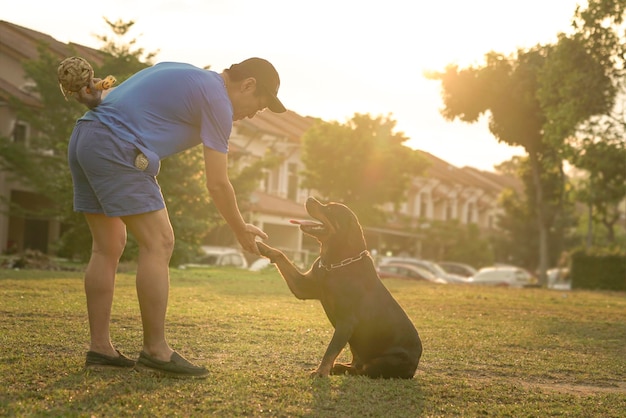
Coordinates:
596 270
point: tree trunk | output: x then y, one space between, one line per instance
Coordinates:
610 230
541 215
590 225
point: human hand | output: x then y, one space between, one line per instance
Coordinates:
89 95
248 238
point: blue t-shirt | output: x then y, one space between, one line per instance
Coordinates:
168 108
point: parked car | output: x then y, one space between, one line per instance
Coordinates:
460 269
431 266
259 264
559 279
408 271
214 256
504 276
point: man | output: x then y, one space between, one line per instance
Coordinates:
114 156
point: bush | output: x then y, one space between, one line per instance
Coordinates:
598 269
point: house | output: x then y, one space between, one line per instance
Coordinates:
16 45
444 193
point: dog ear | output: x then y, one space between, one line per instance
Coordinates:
350 225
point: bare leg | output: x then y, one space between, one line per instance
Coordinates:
109 239
155 237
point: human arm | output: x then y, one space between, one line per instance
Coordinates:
223 195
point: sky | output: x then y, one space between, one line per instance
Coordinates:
335 57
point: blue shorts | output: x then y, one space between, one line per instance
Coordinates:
105 177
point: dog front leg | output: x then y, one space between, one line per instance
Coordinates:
337 343
303 286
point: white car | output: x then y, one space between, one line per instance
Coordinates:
408 271
558 279
503 276
214 256
461 269
431 266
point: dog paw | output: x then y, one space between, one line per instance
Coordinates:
263 248
317 374
267 251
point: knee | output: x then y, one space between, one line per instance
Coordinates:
162 244
168 243
111 249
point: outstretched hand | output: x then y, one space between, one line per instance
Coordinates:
248 239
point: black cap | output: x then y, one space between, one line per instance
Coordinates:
266 77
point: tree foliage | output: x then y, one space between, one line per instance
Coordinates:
600 25
506 87
571 70
121 57
537 98
452 240
518 242
599 148
602 155
362 163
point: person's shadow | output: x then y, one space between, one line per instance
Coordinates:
101 387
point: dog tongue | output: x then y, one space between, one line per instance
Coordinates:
302 222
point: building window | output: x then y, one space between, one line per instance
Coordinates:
471 208
450 209
265 180
415 206
272 183
404 208
424 198
292 181
20 133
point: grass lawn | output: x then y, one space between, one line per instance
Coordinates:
487 351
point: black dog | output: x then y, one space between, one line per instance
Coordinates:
383 341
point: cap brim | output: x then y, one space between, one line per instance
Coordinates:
276 105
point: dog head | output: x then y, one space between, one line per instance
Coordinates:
336 228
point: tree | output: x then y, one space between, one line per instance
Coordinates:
362 163
600 147
506 87
517 242
603 156
452 240
120 56
535 101
600 26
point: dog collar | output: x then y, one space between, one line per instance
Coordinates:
343 262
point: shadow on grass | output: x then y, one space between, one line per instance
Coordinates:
362 396
116 392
